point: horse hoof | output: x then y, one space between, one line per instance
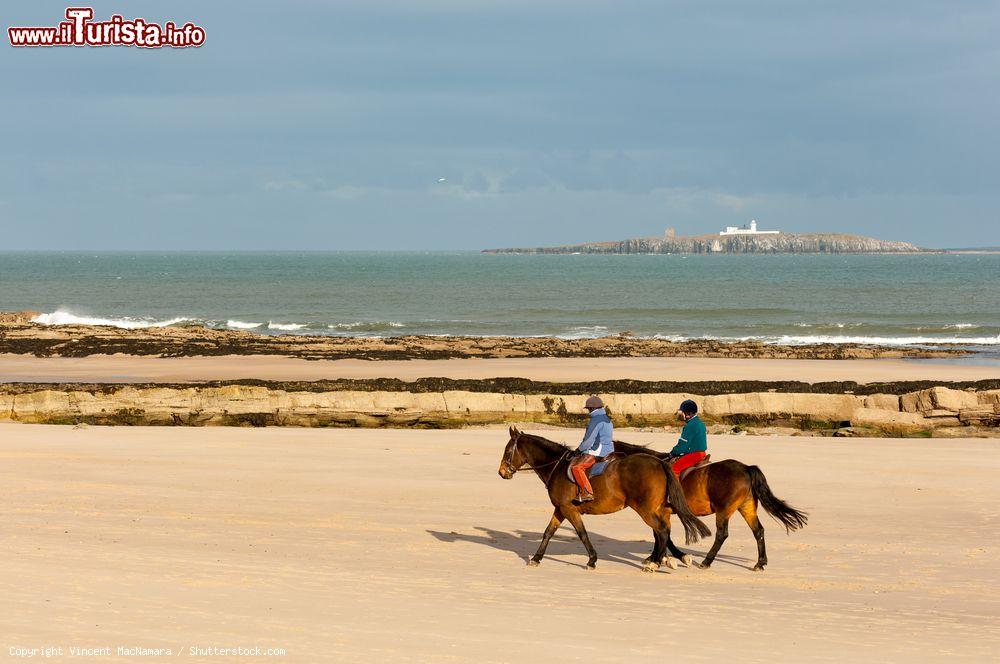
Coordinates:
687 560
534 563
757 568
671 562
650 567
697 565
591 567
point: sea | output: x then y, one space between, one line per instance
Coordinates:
906 300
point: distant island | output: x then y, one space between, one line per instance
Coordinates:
973 250
733 240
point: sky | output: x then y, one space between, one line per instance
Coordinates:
456 124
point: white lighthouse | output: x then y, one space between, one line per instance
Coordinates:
746 230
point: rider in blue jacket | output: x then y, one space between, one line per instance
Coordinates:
597 444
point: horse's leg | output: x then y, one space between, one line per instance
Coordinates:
658 545
749 511
721 533
660 523
656 548
557 519
577 520
676 552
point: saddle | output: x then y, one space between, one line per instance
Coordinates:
701 464
598 468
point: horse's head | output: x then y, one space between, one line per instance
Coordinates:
512 458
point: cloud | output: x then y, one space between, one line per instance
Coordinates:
349 192
285 185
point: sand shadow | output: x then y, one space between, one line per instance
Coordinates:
524 543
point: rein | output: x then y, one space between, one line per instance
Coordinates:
554 464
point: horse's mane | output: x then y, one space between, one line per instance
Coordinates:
633 448
551 445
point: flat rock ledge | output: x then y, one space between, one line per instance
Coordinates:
935 411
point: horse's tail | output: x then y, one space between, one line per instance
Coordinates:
694 529
788 516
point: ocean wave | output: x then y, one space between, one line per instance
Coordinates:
838 326
796 340
680 338
803 340
369 326
585 332
812 333
61 317
240 325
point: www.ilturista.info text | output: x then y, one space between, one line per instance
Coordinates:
80 30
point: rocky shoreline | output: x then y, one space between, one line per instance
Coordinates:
891 411
843 408
20 336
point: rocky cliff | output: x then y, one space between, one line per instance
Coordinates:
783 243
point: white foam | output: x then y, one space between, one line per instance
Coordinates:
801 340
839 326
66 318
240 325
288 327
585 332
961 326
362 324
792 340
679 338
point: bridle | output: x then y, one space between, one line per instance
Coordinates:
555 464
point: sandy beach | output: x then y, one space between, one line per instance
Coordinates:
133 369
355 545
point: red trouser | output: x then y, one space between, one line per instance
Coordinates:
578 466
686 461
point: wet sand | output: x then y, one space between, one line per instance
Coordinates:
131 369
399 545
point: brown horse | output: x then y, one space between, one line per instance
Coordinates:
639 481
722 488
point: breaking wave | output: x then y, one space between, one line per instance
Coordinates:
585 332
838 326
794 340
371 326
812 333
61 317
804 340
